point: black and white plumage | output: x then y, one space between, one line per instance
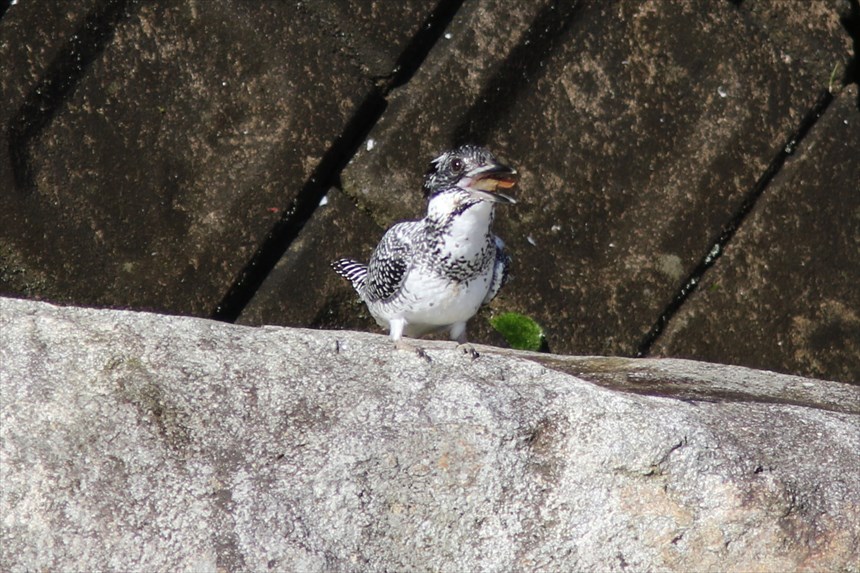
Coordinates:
435 273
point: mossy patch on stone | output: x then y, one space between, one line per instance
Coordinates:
520 331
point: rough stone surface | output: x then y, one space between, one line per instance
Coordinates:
140 442
810 34
776 297
373 33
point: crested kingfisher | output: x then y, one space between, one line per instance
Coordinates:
435 273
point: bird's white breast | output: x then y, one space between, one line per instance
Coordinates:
451 271
436 300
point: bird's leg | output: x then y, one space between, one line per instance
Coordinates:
396 327
458 333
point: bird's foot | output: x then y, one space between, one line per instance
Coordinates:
401 344
468 349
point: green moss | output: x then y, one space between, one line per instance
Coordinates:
520 331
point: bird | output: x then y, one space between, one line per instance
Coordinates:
433 274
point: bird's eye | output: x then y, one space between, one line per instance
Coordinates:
457 164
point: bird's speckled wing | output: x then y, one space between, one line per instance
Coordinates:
500 270
390 261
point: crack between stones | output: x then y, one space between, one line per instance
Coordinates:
718 245
301 209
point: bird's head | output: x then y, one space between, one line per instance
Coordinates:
474 170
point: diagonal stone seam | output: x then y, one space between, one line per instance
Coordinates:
718 245
516 72
301 209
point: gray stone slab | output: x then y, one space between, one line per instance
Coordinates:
638 127
785 295
140 442
158 175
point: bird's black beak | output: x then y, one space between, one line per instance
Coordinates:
486 182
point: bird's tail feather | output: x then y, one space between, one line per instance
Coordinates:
353 271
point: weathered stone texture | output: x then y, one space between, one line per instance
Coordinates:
140 442
785 291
